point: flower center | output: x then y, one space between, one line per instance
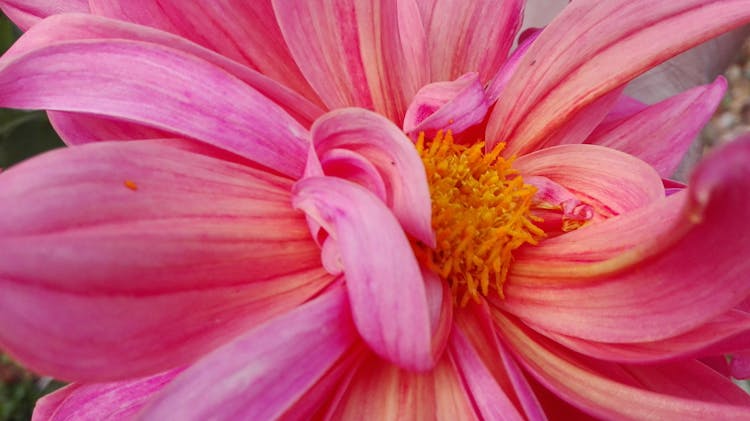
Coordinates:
481 213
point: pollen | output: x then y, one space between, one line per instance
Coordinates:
131 185
481 213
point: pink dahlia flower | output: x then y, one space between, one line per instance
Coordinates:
370 209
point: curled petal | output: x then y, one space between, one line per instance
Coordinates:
177 241
389 151
454 106
611 182
662 133
559 209
630 278
383 279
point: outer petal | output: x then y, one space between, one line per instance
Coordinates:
264 372
384 145
594 47
384 281
661 134
610 181
471 36
245 31
686 391
642 276
365 53
100 401
723 335
382 391
163 247
26 13
147 83
454 106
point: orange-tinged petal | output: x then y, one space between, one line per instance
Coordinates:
592 48
649 274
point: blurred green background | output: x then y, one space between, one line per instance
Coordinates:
22 135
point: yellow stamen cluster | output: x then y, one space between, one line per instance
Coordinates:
480 214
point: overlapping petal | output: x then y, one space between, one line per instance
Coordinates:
382 391
258 375
723 335
209 103
143 257
244 31
26 13
456 106
662 133
611 43
364 53
627 184
471 36
645 276
684 391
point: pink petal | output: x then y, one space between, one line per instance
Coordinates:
718 336
661 134
478 332
243 31
740 365
364 53
625 106
381 391
77 128
177 241
454 106
684 391
471 36
490 400
580 126
207 103
384 282
26 13
101 401
642 276
262 373
610 181
560 210
593 47
392 154
503 75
